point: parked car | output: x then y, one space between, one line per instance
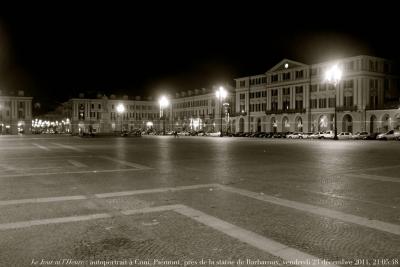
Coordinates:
315 135
371 136
390 135
360 135
327 135
294 135
345 136
306 135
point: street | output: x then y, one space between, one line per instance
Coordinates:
198 201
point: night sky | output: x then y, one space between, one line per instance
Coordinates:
54 52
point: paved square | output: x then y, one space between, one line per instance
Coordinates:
198 201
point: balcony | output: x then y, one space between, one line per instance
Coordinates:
280 111
346 108
385 106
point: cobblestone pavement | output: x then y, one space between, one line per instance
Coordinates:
198 201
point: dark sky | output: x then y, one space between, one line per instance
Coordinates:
55 52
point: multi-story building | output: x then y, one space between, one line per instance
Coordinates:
100 114
200 109
293 96
15 113
197 109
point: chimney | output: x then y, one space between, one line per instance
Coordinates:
177 95
137 98
81 95
196 91
125 97
190 92
112 96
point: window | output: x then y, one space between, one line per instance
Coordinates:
322 103
332 101
322 87
99 106
242 108
299 89
386 84
348 101
373 101
242 83
286 76
286 104
274 92
274 78
313 103
251 95
263 93
242 96
274 105
385 67
92 106
373 84
313 88
21 104
349 66
263 79
299 74
299 104
286 91
21 114
314 71
348 84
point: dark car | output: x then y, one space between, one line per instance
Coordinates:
371 136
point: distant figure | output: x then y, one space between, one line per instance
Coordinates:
176 134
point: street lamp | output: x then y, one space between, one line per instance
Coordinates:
221 95
333 76
120 110
164 102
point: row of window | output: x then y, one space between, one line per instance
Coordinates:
196 103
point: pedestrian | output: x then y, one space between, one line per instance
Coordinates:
176 134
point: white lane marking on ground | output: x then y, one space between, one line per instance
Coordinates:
104 195
370 169
262 243
68 147
374 224
77 163
154 190
130 164
25 224
40 200
41 147
374 177
67 172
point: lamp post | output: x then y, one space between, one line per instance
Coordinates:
120 110
221 95
333 76
164 102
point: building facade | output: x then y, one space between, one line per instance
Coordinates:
100 115
15 113
192 110
293 96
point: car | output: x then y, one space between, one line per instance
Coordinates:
390 135
371 136
345 135
360 135
294 135
327 135
306 135
316 135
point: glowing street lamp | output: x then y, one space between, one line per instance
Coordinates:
164 102
221 95
120 110
333 76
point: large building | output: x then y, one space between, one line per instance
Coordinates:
15 113
293 96
195 110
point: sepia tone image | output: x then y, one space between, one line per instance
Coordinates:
200 134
